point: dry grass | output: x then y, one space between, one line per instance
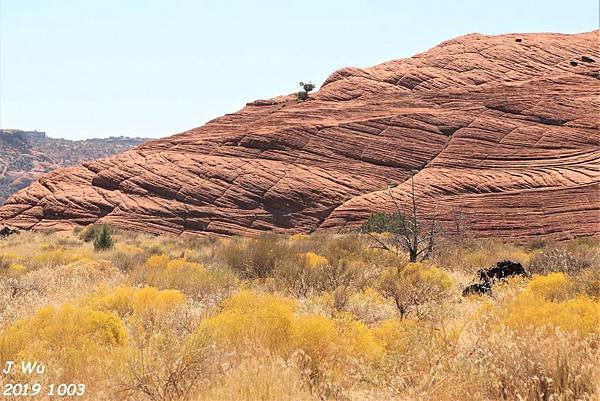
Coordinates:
321 317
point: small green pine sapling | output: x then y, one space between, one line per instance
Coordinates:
103 239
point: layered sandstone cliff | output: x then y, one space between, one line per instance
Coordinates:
501 130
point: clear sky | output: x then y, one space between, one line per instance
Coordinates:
98 68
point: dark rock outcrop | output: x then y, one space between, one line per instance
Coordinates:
7 231
488 277
477 289
501 271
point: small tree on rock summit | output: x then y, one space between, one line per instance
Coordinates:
306 87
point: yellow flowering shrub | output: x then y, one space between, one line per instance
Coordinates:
547 301
581 314
298 237
66 326
396 334
69 337
141 301
332 345
8 264
7 258
57 257
552 287
314 261
430 276
180 263
358 339
158 262
250 318
164 272
16 268
150 299
317 336
192 278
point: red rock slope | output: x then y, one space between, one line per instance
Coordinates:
500 129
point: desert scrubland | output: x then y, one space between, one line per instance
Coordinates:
304 317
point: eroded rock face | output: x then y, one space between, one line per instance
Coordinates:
504 133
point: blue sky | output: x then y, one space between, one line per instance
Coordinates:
84 68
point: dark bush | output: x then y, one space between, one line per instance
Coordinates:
306 88
103 239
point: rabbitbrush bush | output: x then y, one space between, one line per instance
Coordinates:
72 340
252 320
547 302
140 301
552 287
193 279
56 257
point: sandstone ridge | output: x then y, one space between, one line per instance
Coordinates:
501 130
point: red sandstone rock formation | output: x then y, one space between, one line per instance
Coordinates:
504 132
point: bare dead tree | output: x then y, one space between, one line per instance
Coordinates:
406 231
459 224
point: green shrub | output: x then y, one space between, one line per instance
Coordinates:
103 239
306 88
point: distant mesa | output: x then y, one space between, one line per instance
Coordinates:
24 135
26 155
499 130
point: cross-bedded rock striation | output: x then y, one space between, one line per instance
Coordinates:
503 132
